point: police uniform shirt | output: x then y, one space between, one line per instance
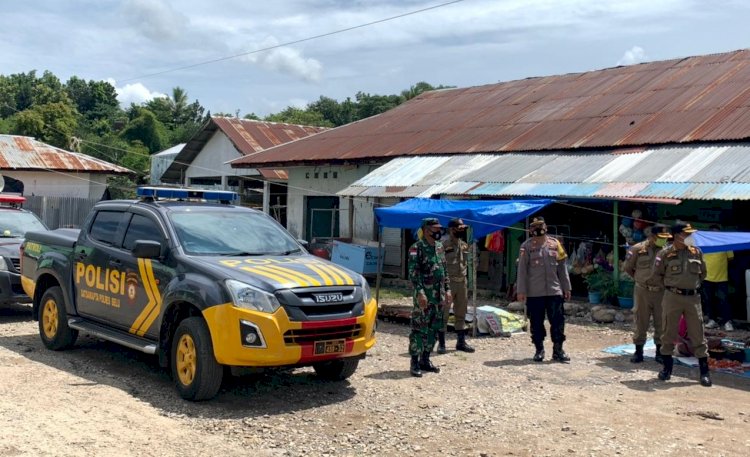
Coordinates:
541 268
680 268
456 253
639 263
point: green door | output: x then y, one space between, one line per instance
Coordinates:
322 217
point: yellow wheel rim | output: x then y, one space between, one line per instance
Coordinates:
186 356
49 319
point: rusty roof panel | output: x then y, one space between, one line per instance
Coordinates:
25 153
701 98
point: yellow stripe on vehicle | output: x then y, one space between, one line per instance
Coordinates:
326 279
284 273
156 310
151 300
303 276
343 274
283 281
339 280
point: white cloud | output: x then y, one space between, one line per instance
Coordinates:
634 55
134 93
286 60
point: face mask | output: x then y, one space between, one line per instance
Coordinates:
689 241
538 231
436 235
660 242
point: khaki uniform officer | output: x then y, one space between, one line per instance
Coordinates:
456 254
681 269
543 278
648 291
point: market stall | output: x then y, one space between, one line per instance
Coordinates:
483 217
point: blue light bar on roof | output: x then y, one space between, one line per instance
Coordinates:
166 192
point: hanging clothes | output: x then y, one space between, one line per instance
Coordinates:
495 242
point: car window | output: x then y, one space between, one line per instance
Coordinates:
15 224
141 228
231 233
105 225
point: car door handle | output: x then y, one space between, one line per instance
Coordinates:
115 263
81 256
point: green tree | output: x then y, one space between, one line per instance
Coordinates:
52 123
292 115
146 129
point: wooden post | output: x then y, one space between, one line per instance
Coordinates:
381 255
267 197
615 244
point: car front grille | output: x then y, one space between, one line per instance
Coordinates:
309 335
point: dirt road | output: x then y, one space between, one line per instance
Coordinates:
100 399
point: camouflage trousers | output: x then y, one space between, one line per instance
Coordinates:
425 323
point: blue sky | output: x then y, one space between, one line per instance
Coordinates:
469 43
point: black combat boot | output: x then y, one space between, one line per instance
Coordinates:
414 370
539 355
658 357
705 375
638 356
461 344
426 365
441 343
558 353
666 372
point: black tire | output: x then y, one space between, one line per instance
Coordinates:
53 321
196 373
336 370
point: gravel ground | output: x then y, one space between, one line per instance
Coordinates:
100 399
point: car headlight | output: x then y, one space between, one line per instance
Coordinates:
366 292
249 297
3 264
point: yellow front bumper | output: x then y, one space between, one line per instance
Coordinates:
224 325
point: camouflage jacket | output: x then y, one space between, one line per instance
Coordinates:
428 271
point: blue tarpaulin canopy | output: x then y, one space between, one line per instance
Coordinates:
710 241
484 216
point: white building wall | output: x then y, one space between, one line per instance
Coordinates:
211 161
63 184
302 183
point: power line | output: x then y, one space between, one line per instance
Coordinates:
288 43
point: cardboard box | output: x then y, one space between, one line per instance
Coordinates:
356 257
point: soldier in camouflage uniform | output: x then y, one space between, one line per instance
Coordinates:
543 283
427 271
681 269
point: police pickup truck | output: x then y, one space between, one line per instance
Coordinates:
203 284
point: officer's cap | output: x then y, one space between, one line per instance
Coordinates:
683 228
661 231
537 220
456 223
432 221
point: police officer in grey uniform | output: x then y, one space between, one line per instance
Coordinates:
681 269
543 283
456 254
648 292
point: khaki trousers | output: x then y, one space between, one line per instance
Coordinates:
460 305
674 306
647 304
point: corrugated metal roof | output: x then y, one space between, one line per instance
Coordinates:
248 137
25 153
698 173
274 175
703 98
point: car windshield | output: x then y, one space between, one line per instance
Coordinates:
231 233
15 224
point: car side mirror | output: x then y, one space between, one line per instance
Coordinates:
147 249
